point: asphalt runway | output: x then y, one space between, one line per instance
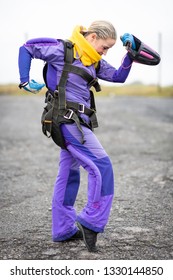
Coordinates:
137 133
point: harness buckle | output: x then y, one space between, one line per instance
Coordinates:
56 93
68 115
81 108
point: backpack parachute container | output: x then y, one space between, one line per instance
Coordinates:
144 54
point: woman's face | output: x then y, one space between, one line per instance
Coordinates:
100 45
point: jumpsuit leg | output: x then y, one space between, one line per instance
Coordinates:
64 195
93 158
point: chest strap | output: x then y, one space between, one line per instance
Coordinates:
84 74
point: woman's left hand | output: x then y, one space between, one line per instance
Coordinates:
128 41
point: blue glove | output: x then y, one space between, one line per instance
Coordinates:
128 41
32 86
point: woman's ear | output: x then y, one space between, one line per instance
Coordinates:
91 37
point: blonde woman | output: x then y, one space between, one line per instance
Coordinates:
89 45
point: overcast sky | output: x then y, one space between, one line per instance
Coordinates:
25 19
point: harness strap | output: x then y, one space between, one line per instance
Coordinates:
67 115
70 115
68 51
70 106
64 110
92 101
85 75
82 109
68 58
60 91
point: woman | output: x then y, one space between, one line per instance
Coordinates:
89 46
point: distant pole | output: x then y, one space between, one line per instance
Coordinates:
159 67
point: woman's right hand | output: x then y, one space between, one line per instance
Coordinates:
32 86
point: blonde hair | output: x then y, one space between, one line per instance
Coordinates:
103 29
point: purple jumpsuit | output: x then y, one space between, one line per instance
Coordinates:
90 155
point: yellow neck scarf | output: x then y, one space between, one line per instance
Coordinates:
82 48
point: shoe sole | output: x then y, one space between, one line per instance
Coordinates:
84 239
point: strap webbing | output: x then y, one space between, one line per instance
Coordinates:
68 58
84 74
61 106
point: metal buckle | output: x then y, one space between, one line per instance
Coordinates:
81 108
70 112
49 97
56 93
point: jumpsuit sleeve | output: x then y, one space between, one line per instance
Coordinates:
40 48
109 73
24 63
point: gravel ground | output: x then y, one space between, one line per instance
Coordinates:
137 133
